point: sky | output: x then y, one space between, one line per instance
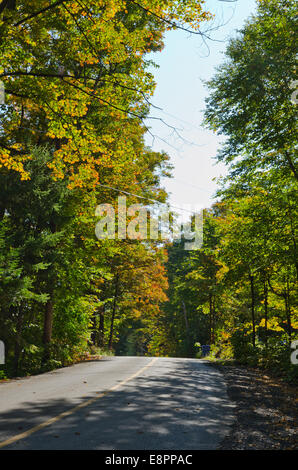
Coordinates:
184 63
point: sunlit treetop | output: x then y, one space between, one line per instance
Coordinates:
75 75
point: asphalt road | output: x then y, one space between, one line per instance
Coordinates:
117 403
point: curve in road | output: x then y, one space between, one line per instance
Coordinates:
118 403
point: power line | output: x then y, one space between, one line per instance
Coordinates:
146 198
191 185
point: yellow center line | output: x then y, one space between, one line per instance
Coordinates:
53 420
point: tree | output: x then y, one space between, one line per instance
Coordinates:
250 96
76 76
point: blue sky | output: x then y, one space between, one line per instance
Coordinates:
183 64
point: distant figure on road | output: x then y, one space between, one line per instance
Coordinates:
205 349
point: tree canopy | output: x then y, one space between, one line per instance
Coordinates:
78 90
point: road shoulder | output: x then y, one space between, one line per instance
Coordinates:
266 414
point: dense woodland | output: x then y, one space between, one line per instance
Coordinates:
78 87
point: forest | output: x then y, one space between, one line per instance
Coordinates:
77 88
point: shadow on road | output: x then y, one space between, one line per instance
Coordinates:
171 406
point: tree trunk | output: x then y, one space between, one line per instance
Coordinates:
189 345
185 318
94 335
210 319
101 332
18 343
9 4
266 312
252 289
288 311
213 319
291 165
113 312
294 241
47 329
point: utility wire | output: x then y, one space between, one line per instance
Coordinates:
146 198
